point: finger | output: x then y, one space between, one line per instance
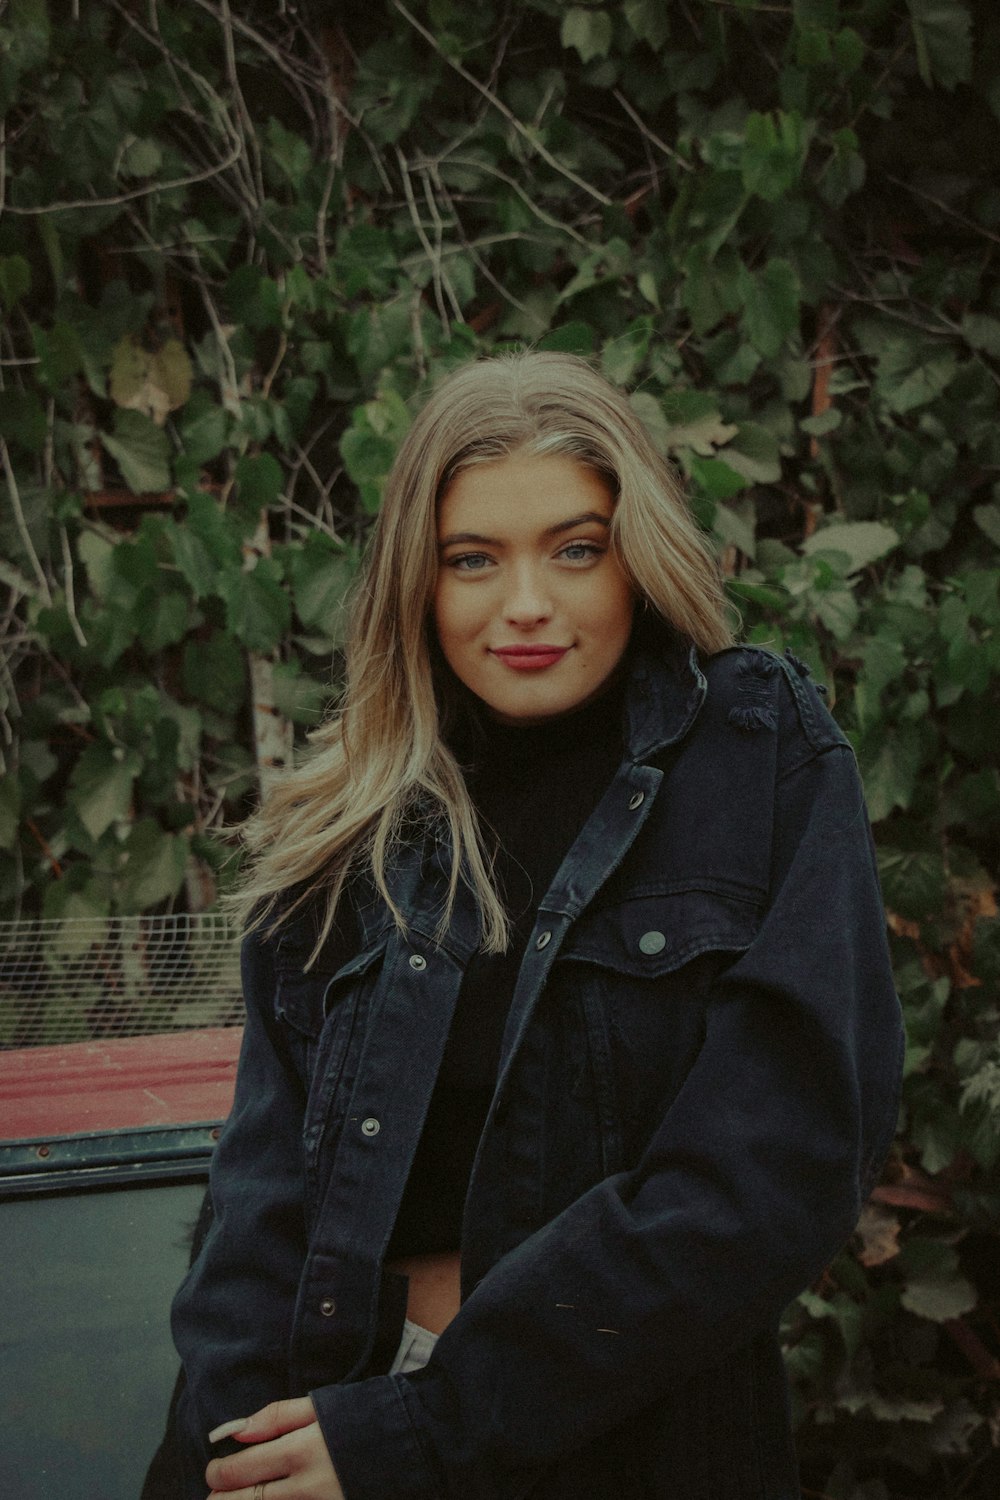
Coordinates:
270 1422
241 1471
276 1490
228 1429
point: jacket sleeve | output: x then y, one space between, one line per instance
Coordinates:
232 1316
752 1182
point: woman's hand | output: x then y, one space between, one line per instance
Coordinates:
288 1454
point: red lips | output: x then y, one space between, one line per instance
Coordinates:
533 658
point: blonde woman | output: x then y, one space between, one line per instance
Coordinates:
571 1046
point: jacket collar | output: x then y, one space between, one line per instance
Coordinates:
666 689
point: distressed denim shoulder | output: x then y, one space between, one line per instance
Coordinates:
749 675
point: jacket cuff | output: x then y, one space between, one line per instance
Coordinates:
372 1441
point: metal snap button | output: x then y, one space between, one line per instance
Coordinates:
652 942
543 940
636 800
417 961
370 1126
328 1307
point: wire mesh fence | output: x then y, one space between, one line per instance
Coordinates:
84 978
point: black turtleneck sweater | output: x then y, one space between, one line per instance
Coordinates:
533 787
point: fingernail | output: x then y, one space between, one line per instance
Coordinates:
228 1429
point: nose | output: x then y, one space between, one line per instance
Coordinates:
528 602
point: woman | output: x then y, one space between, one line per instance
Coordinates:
571 1047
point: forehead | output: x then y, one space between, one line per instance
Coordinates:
521 492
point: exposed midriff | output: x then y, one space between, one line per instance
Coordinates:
433 1296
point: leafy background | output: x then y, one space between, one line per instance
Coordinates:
237 242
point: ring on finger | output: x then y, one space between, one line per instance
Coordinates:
258 1490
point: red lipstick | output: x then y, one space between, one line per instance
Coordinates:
534 658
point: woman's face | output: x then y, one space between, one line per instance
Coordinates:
533 610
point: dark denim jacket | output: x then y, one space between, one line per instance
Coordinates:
699 1082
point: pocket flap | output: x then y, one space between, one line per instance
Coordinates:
305 997
655 934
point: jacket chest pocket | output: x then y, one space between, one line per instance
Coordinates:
324 1016
639 975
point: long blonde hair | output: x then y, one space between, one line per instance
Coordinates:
379 766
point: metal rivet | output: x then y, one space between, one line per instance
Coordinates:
328 1307
417 961
652 942
636 800
543 940
370 1126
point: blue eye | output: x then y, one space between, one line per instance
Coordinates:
469 562
577 552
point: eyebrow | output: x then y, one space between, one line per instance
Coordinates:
560 526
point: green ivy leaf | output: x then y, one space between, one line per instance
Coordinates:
377 335
774 152
753 452
883 662
15 280
258 481
321 573
912 370
368 457
890 772
685 419
942 30
289 153
982 332
715 478
861 542
214 671
141 157
193 558
845 170
914 881
258 611
987 518
589 32
215 528
649 20
296 696
22 419
154 382
836 609
770 300
735 528
369 445
60 354
10 810
154 868
820 426
939 1299
848 50
889 1409
254 298
623 355
101 786
575 337
141 450
162 619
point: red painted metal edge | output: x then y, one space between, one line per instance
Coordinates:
119 1084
